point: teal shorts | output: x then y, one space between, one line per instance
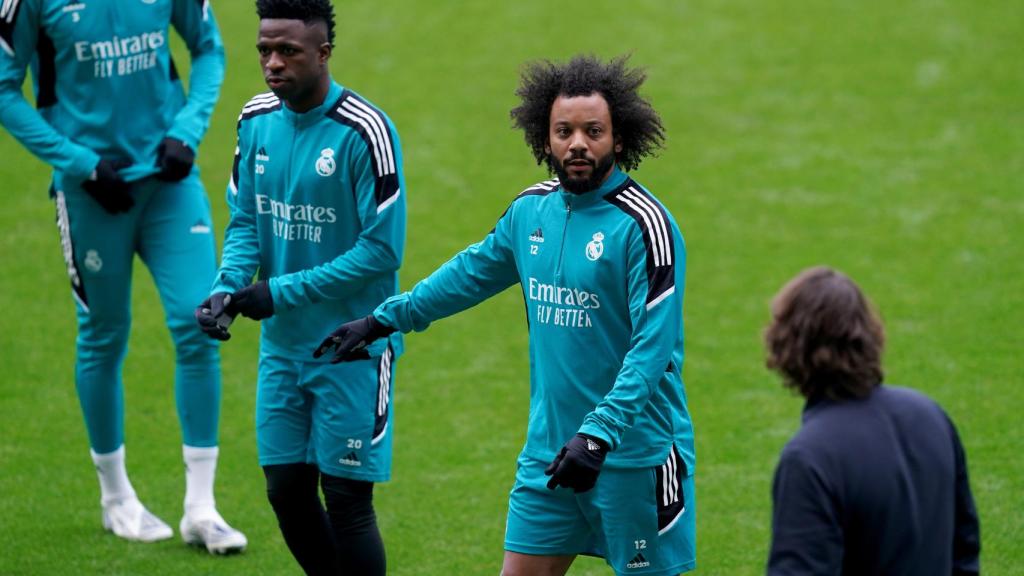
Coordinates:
337 416
640 520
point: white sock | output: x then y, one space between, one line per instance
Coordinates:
200 469
114 483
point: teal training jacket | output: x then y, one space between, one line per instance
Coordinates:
105 84
317 207
602 275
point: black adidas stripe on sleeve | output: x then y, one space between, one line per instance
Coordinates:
46 71
8 18
372 127
234 170
260 104
658 238
539 189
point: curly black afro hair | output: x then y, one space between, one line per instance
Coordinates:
635 124
308 11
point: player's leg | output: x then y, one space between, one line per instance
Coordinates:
359 546
515 564
647 519
352 419
98 250
176 242
293 492
545 529
282 438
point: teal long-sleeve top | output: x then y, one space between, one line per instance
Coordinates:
105 83
317 206
602 276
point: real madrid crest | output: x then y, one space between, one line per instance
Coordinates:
595 247
325 163
93 262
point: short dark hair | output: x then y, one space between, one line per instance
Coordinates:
308 11
635 124
825 339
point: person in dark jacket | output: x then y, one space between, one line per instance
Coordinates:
875 481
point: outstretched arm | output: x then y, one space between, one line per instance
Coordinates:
473 275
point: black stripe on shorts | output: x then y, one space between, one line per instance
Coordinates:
380 418
668 488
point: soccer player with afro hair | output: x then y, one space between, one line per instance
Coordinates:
608 464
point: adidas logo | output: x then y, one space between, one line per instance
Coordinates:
537 235
350 459
638 561
261 155
199 227
591 445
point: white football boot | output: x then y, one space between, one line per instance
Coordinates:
205 527
130 520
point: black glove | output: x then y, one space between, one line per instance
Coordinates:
578 463
350 340
174 158
254 301
212 319
108 188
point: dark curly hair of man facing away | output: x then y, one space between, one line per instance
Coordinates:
309 11
635 124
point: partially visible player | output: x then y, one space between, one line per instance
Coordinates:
114 122
875 481
318 213
608 464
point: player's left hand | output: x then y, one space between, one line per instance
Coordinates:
211 317
174 158
254 301
350 340
578 463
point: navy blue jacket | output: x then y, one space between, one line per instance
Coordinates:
873 487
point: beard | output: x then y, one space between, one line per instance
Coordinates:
599 171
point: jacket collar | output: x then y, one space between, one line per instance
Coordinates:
302 119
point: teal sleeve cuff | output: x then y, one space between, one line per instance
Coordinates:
593 430
82 165
276 294
189 139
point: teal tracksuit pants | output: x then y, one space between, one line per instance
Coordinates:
171 230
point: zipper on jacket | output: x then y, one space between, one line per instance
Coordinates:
291 154
561 247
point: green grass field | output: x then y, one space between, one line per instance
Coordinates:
882 138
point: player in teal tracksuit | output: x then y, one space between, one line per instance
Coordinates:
317 206
601 265
113 120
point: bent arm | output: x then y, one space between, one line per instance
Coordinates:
19 37
195 22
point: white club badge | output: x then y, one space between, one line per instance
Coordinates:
93 262
325 163
595 247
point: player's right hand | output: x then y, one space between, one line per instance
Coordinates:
578 463
212 318
350 340
174 158
108 188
